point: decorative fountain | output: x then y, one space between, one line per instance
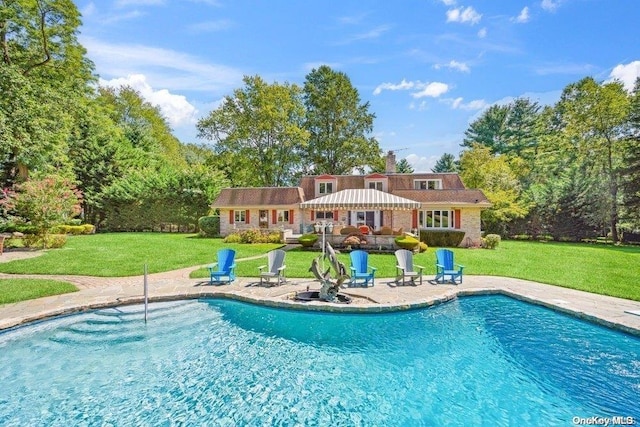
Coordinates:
330 288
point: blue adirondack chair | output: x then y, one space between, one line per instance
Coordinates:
445 267
223 270
361 272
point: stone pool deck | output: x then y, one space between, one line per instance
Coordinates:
386 295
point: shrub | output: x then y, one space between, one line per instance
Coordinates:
422 247
407 242
233 238
252 235
274 237
308 240
13 242
441 238
47 241
55 240
209 225
88 228
491 241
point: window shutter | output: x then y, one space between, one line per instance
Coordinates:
274 216
312 215
290 216
335 216
246 217
414 219
456 214
231 218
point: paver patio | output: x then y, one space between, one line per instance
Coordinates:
98 292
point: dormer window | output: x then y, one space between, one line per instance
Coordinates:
427 184
376 185
325 187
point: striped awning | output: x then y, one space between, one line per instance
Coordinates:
360 199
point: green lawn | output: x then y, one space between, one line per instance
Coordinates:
609 270
14 290
124 254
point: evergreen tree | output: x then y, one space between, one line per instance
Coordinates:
446 163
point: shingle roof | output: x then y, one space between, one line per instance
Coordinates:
462 197
263 196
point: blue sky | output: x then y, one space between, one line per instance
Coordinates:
428 68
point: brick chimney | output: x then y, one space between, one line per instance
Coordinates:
390 165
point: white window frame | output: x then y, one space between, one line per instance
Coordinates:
239 216
436 213
429 184
328 187
282 216
376 185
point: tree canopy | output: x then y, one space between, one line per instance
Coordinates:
259 129
338 124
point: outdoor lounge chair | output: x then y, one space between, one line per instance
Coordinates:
225 267
445 267
406 268
360 270
274 268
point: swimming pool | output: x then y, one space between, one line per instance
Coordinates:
487 360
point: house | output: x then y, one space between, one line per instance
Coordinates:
437 201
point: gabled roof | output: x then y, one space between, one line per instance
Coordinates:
262 196
360 199
448 197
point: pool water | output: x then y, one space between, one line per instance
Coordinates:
487 360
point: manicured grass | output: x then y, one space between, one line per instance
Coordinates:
124 254
607 270
15 290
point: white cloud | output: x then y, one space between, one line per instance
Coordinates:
174 70
482 33
627 74
418 107
550 5
422 164
454 65
448 2
463 15
523 17
433 89
177 110
403 85
458 104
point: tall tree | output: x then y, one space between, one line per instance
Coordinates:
143 125
506 129
495 177
446 163
630 183
43 73
338 125
259 129
594 116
